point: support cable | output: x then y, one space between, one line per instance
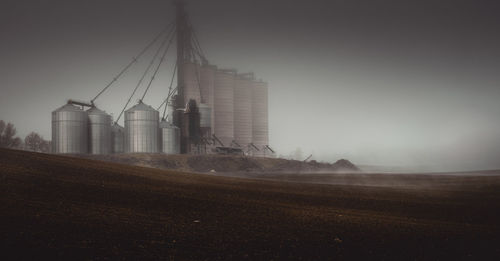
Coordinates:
170 92
196 42
198 50
195 51
197 72
166 105
172 81
165 101
144 75
134 60
198 45
158 67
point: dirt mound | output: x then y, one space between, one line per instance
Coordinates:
206 163
345 165
224 163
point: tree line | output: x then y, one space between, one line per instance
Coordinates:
32 141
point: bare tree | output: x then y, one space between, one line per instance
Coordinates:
7 136
2 127
35 142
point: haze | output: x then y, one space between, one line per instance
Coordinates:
399 83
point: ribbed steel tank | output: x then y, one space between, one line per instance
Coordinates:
205 116
170 138
190 131
99 131
205 121
117 138
223 108
192 82
207 78
243 110
141 129
70 130
260 132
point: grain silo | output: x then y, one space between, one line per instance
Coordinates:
141 129
207 78
117 138
260 133
243 110
170 138
99 131
223 126
205 120
192 82
190 131
70 130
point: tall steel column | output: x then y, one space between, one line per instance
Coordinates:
184 52
181 28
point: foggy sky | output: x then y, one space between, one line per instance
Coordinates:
405 83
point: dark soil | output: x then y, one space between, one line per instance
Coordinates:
64 208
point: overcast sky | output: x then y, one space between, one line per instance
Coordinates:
405 83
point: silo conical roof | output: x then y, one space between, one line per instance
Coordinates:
166 124
69 107
141 107
117 126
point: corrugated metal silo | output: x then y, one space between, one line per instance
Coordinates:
117 138
69 130
192 82
190 131
260 132
205 120
170 138
141 129
99 131
243 110
207 78
205 116
223 108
